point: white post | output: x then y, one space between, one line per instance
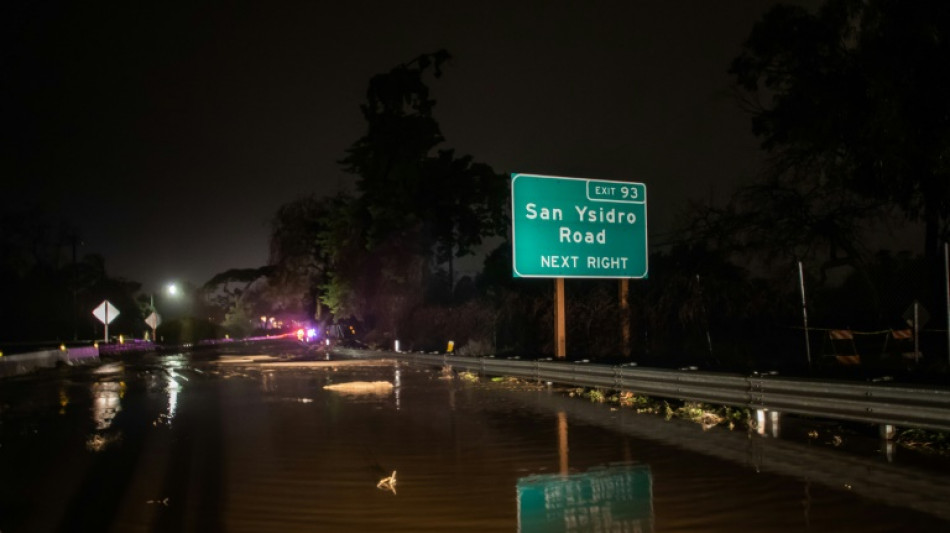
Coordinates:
774 417
801 281
106 339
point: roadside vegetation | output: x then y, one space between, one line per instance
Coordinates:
933 442
709 415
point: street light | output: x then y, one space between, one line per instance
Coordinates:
155 319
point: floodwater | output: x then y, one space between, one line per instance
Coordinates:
182 443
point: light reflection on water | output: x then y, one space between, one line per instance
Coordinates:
173 387
268 449
106 402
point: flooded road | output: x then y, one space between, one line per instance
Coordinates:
182 443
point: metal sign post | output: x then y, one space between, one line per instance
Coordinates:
916 317
625 317
801 282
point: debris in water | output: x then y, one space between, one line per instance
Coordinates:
98 443
447 372
468 377
388 483
362 387
109 368
163 501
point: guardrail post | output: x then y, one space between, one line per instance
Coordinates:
768 422
888 446
774 417
888 432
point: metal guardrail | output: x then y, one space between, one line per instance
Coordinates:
876 403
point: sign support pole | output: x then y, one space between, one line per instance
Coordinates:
625 317
560 329
106 339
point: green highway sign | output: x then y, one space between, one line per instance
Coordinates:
578 228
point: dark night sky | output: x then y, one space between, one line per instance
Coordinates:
170 134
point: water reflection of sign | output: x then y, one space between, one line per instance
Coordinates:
616 498
106 402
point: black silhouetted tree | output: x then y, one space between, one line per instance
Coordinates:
220 298
414 209
48 290
299 262
388 160
699 307
349 278
463 202
789 216
851 104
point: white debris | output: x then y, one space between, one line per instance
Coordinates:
362 387
388 483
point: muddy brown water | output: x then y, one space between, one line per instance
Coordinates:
176 443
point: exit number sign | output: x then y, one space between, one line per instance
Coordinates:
578 228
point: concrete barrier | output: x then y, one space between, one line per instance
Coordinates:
83 354
22 363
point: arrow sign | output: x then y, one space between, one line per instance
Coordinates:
153 320
106 312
